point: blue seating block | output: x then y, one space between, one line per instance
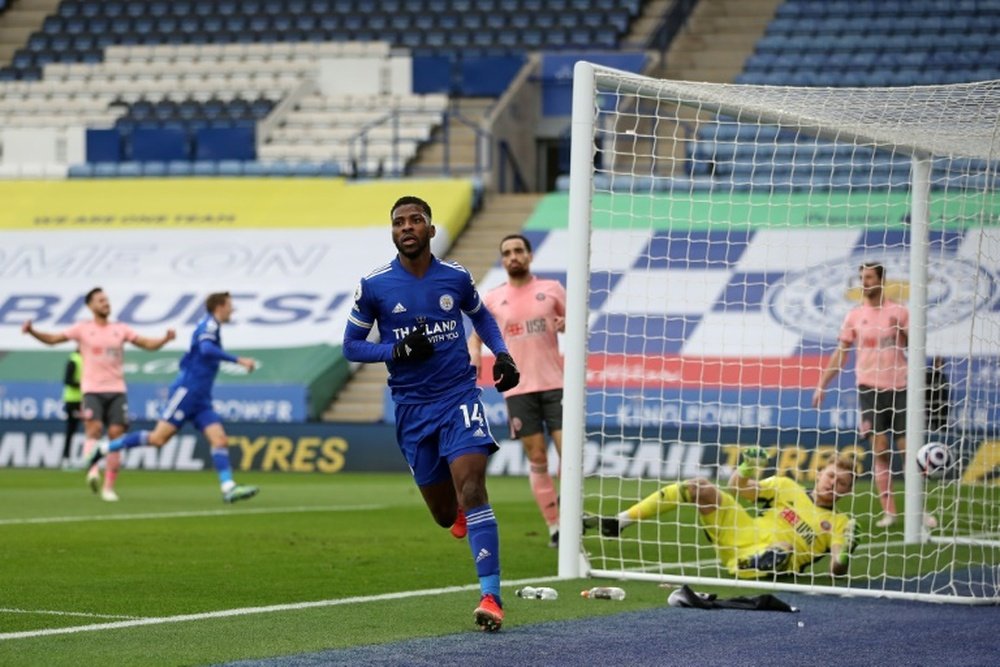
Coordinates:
488 76
232 143
160 144
103 145
432 74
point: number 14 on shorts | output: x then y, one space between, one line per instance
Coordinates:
472 413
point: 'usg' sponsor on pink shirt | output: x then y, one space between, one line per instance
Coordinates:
526 316
102 347
881 352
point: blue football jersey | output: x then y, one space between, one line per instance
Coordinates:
398 302
200 363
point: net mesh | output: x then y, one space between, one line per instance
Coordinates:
727 226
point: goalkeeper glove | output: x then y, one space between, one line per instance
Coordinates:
850 544
415 346
754 459
505 373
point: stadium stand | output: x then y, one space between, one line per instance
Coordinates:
856 44
170 70
862 43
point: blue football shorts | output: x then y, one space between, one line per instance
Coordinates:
432 435
184 405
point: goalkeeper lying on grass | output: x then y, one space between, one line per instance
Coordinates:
794 529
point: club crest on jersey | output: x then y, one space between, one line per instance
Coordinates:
540 296
446 302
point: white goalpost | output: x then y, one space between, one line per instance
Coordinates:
714 240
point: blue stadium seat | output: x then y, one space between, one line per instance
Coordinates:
37 43
306 22
472 21
129 170
179 168
155 168
113 8
204 10
619 19
181 8
53 25
68 9
229 167
90 8
82 170
158 8
105 170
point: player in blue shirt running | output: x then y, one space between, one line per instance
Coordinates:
191 399
417 301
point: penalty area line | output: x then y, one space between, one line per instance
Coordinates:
188 514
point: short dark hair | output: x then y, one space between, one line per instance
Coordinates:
410 199
91 294
215 300
527 243
874 266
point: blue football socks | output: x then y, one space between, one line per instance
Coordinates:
220 459
129 440
484 542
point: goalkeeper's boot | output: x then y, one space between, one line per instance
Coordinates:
239 492
460 528
610 527
489 613
590 521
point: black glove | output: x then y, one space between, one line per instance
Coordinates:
414 347
505 373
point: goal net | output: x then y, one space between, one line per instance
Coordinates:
715 238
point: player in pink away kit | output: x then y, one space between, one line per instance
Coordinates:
530 312
102 345
879 330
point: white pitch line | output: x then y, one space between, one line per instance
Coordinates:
184 515
248 611
4 610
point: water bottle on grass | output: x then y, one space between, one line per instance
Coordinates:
539 593
604 593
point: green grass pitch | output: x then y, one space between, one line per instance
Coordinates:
172 548
171 556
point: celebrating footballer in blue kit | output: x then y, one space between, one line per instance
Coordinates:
190 399
417 302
